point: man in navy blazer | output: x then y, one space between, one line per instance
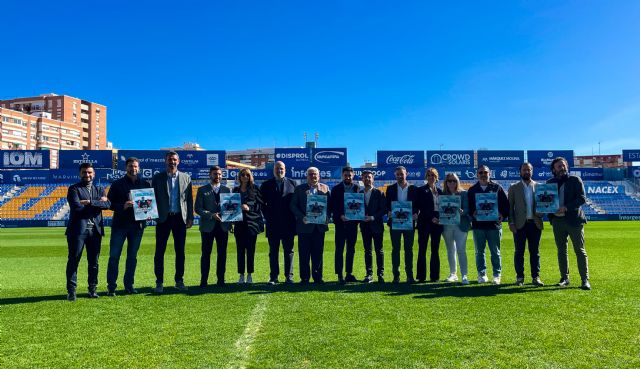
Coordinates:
402 191
175 215
346 231
212 227
85 227
281 223
372 227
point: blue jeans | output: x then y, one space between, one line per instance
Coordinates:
133 236
492 237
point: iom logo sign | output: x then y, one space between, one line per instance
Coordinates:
25 159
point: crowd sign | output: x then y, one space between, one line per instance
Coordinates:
188 158
404 158
25 159
298 157
451 158
500 158
543 158
329 156
71 159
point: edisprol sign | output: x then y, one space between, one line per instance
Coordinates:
188 158
299 157
404 158
330 156
25 159
631 155
71 159
500 158
543 158
606 190
451 158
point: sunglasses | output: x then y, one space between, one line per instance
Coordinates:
245 175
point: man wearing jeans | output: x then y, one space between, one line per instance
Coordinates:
568 222
488 232
124 227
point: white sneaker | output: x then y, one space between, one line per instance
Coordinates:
158 288
483 279
249 279
496 280
452 278
465 280
241 279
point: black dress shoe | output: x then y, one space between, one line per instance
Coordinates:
93 294
586 285
563 283
410 280
130 290
396 280
350 278
71 296
380 279
220 283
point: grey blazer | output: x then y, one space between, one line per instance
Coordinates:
206 205
298 207
518 206
159 183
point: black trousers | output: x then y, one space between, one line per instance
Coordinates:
221 237
529 234
368 237
287 252
311 247
245 246
76 243
346 232
176 226
433 231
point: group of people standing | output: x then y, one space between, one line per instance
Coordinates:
283 206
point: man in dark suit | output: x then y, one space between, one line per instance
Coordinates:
85 227
372 227
175 215
569 221
525 224
402 191
125 227
211 226
428 227
281 224
346 231
310 235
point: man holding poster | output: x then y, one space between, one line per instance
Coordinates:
402 192
346 230
372 227
525 224
311 234
125 227
487 197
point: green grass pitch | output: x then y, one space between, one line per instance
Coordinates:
440 325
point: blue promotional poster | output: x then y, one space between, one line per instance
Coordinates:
231 207
487 207
547 198
354 206
144 204
316 209
401 215
449 209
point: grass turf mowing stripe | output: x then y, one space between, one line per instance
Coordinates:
243 344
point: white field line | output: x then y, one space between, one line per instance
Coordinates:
243 344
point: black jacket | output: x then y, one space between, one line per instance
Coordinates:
280 220
392 195
118 195
503 205
425 206
80 214
574 198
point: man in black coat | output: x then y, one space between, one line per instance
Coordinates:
569 221
281 223
346 231
428 227
372 227
85 227
125 227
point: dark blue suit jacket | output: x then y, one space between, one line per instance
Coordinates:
280 220
79 214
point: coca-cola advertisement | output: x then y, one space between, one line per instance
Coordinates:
404 158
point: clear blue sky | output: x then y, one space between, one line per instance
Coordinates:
367 75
